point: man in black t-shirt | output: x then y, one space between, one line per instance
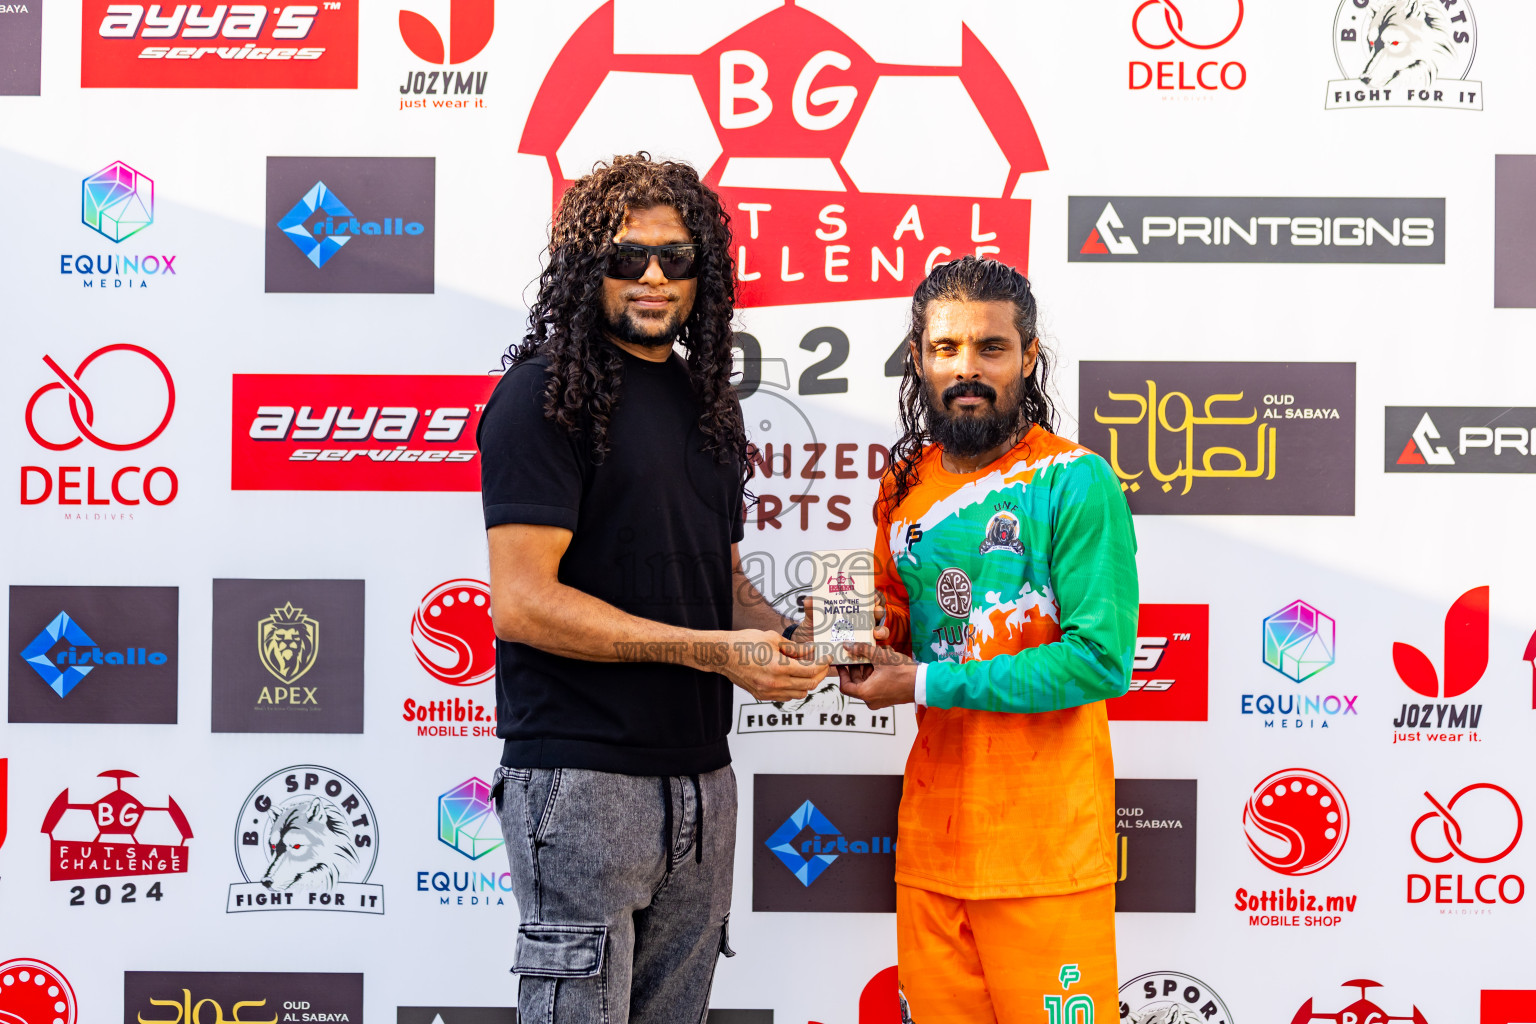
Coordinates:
613 475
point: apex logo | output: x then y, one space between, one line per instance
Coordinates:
470 24
1466 651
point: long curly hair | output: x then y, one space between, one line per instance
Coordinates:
565 321
966 279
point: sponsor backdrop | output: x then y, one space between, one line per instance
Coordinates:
257 266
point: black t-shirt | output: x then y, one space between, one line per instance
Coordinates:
652 528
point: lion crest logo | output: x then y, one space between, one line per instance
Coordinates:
288 642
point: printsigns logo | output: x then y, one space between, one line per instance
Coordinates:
126 403
1404 53
357 432
1298 641
452 633
1476 439
1484 830
21 49
1296 821
247 996
466 819
117 201
1361 1009
1170 673
802 861
386 226
128 651
1254 229
803 132
1171 997
1155 822
271 672
32 992
1159 25
1225 438
115 836
306 839
467 1015
223 46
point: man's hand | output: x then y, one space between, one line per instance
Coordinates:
785 676
890 679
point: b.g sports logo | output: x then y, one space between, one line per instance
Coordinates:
218 46
805 137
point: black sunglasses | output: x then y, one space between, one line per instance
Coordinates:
628 261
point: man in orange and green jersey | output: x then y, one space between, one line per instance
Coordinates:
1006 559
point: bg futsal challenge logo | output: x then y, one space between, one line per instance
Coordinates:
804 139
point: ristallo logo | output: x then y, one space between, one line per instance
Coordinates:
357 432
33 992
379 238
803 861
1404 53
470 26
1170 673
119 398
218 46
805 138
1160 25
1484 829
1480 439
115 835
1466 659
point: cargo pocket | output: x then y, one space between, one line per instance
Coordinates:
725 937
550 960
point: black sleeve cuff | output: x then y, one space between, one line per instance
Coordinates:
531 515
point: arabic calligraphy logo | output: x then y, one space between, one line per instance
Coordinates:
1466 650
288 642
32 992
84 412
452 633
1455 836
1296 821
1173 19
117 201
188 1012
1154 413
953 590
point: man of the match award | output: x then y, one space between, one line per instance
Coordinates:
843 603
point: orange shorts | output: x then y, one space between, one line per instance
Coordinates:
1040 960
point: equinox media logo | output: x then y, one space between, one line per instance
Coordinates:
117 201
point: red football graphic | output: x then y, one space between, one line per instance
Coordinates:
453 635
1296 821
32 992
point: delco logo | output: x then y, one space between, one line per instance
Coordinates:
213 46
807 139
357 432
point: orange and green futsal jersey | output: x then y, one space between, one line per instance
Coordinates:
1014 587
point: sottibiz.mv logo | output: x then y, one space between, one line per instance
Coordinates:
357 432
32 992
219 46
807 140
456 645
306 839
1297 823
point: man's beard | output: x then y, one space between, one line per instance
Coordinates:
968 434
630 329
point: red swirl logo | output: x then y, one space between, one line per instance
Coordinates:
1456 839
1173 19
452 633
83 412
1296 821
